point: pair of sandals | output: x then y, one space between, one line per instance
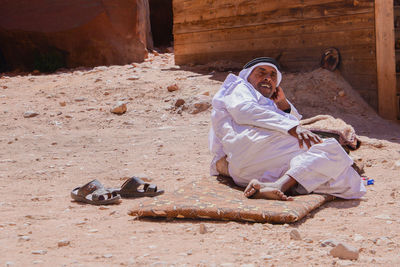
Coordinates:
94 192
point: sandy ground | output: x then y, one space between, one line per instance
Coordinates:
44 157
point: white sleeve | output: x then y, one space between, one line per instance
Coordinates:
245 110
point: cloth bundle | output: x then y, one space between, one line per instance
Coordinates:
328 126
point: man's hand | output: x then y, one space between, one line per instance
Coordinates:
280 99
304 135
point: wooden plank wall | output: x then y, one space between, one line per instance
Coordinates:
386 66
294 31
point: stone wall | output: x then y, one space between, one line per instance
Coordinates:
44 34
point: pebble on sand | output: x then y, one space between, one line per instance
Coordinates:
30 114
119 108
329 242
63 243
24 238
203 229
172 88
133 78
396 165
199 103
295 235
344 251
179 102
39 252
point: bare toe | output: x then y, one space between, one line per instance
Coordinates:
252 188
271 193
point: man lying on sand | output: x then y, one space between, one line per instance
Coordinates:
257 130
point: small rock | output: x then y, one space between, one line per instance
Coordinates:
131 122
329 242
344 251
63 243
203 229
30 114
199 103
396 165
266 257
79 99
107 256
62 103
160 263
9 263
172 88
24 238
295 235
308 240
358 237
341 93
383 217
133 78
39 252
119 108
382 241
179 102
93 231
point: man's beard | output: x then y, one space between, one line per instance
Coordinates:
266 89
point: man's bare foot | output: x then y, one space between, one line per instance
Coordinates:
256 189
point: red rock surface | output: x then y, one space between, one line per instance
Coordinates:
85 33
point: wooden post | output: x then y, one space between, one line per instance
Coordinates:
385 59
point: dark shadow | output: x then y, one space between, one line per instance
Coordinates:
337 203
11 73
49 60
186 220
205 70
228 181
3 63
161 20
340 203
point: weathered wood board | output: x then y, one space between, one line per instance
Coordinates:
294 31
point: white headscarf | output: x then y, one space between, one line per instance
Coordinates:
244 73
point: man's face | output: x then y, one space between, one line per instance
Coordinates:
264 80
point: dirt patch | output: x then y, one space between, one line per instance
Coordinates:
75 138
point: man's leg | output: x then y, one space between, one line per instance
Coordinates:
276 190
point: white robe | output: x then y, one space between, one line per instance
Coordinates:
253 133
